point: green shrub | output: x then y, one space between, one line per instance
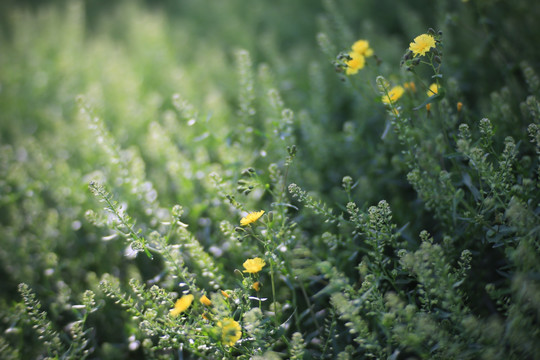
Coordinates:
214 180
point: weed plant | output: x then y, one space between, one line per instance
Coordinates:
279 180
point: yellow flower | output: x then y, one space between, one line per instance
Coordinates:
256 286
393 95
224 294
433 90
428 107
459 106
181 305
205 300
361 47
410 86
356 63
231 331
251 217
422 44
253 265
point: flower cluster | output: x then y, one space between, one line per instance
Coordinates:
253 266
425 48
422 44
205 300
433 89
181 305
251 217
230 330
356 63
360 51
393 95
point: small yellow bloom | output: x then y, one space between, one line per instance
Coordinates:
422 44
231 331
254 265
251 217
459 106
410 86
433 90
205 300
256 286
361 47
356 63
181 305
428 107
224 294
393 95
204 316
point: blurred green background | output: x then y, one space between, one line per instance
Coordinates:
128 59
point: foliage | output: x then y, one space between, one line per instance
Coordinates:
304 180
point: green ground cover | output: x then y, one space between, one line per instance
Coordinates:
283 180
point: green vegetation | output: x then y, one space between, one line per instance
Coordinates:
229 179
